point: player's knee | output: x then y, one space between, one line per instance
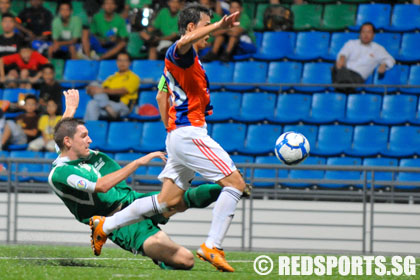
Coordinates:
170 202
185 259
237 181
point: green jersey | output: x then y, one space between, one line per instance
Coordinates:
73 29
74 182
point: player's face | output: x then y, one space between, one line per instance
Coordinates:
366 34
8 24
80 142
204 21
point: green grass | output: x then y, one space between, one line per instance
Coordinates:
61 262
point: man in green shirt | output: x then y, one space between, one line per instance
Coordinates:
239 38
66 31
108 32
91 183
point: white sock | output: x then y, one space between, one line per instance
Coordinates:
133 213
223 213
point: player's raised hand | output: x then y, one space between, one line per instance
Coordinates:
147 158
71 97
229 21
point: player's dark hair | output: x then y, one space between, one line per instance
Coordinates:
191 13
7 15
368 23
65 127
31 96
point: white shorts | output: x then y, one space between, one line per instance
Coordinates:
191 150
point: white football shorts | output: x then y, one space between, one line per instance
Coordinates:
191 150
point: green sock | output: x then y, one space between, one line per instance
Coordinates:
202 196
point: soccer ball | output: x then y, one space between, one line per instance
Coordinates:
292 148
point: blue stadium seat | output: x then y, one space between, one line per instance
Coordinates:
310 45
231 136
283 72
326 107
123 136
405 17
276 45
379 175
310 132
307 174
219 72
106 69
338 39
26 167
242 159
315 73
397 109
413 79
153 137
146 98
390 41
397 75
333 140
291 108
153 171
368 140
404 141
416 120
409 176
260 139
341 175
226 105
149 71
46 168
261 173
410 45
3 165
12 94
97 132
362 108
83 70
256 106
248 72
131 157
378 14
84 98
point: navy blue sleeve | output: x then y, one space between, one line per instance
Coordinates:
183 61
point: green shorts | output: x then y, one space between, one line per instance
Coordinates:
132 237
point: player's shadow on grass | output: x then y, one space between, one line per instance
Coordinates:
70 262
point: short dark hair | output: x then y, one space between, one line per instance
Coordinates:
191 13
61 3
31 96
7 15
65 127
24 45
368 23
47 66
125 53
237 1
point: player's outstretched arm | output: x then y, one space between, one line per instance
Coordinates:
107 182
71 102
187 40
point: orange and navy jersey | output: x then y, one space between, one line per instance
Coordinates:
189 87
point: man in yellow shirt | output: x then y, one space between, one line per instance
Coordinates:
117 95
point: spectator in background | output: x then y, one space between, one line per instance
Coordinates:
117 95
5 9
239 39
49 88
9 40
416 2
66 32
25 127
46 126
28 63
358 58
108 32
36 21
164 30
277 17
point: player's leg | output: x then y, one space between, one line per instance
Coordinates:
160 247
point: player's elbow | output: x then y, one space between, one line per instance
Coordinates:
101 188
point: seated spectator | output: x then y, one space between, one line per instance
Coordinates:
25 127
117 95
108 32
46 126
277 17
240 39
217 13
164 31
27 64
9 40
5 9
358 58
36 24
66 32
49 88
416 2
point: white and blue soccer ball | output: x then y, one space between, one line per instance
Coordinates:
292 148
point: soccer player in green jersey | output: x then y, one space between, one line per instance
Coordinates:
91 183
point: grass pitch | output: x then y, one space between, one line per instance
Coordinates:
61 262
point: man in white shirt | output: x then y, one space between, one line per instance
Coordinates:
357 60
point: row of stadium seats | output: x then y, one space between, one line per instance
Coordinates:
258 174
251 72
258 139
